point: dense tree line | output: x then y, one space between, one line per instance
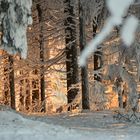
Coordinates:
58 34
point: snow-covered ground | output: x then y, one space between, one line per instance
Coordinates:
86 126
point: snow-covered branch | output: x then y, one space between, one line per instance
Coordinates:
118 10
15 16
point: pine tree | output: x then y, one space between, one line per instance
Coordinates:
41 45
84 70
71 50
12 81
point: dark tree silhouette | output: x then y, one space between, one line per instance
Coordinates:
41 45
84 70
12 81
71 50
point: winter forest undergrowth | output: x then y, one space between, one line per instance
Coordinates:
69 68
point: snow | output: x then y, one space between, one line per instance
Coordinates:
15 127
118 8
97 126
14 20
93 44
129 29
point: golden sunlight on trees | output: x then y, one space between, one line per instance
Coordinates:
50 80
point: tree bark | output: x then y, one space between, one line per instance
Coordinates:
6 89
41 45
84 70
12 82
71 51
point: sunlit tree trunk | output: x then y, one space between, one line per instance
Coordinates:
84 70
41 45
71 50
9 85
118 84
6 80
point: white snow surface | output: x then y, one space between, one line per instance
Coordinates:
14 127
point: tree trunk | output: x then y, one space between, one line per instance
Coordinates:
41 45
6 83
84 70
97 56
71 51
11 82
118 85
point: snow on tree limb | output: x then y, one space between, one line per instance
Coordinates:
129 29
118 10
93 44
15 16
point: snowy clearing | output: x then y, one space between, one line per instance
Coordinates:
88 125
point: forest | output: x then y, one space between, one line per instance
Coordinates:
68 57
